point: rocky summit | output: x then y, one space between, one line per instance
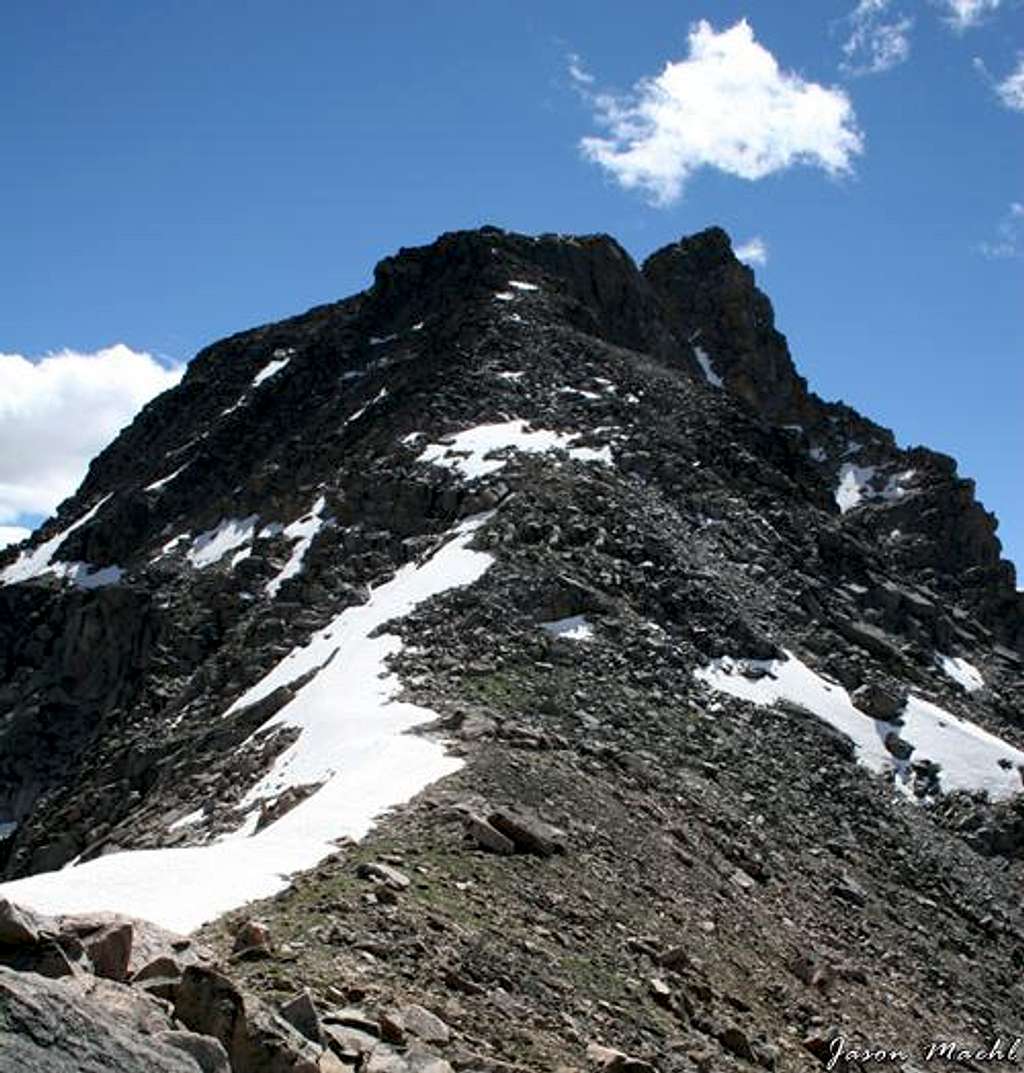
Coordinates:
512 667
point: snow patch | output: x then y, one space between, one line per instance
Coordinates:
859 484
35 562
382 394
574 628
962 671
514 377
303 533
272 368
895 487
380 340
189 820
705 363
470 453
520 285
505 296
86 576
164 481
971 758
210 547
854 485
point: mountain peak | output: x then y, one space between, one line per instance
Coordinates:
550 573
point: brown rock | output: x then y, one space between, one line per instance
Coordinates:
424 1025
209 1003
301 1013
349 1043
660 992
487 836
877 701
899 747
208 1053
110 950
612 1061
528 833
161 967
735 1041
18 926
252 934
384 873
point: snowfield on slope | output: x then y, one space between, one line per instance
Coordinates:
35 562
353 739
961 670
303 532
230 533
469 452
971 758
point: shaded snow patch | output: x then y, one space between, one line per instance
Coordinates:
231 533
709 370
574 628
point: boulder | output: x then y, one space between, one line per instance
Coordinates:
48 1026
110 950
899 747
253 934
255 1039
414 1060
301 1013
384 873
878 701
18 926
487 836
528 833
397 1025
610 1060
207 1052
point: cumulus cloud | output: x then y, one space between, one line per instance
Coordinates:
12 534
753 252
1011 89
963 14
1009 240
728 105
58 412
877 42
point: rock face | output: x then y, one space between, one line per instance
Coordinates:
46 1027
628 861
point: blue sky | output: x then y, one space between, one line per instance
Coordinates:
176 172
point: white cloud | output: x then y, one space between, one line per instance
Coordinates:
875 43
1011 89
60 411
727 106
753 252
1009 241
12 534
963 14
577 72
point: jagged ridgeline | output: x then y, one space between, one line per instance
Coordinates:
751 671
